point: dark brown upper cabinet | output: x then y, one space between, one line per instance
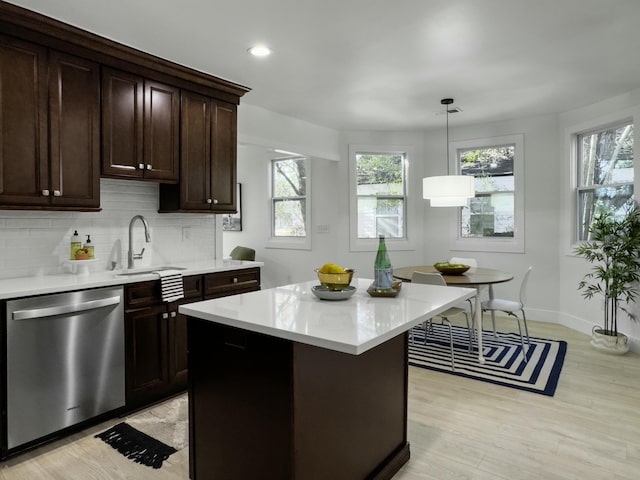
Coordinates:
140 128
49 128
61 87
208 139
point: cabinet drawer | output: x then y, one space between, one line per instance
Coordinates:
144 294
231 282
193 287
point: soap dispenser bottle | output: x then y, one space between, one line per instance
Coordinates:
76 244
88 246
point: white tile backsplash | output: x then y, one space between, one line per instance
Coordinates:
37 242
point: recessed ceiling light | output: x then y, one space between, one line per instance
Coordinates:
260 51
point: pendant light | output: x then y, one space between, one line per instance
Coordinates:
448 190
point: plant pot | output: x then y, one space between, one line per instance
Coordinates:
613 344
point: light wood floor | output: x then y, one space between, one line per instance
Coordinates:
458 428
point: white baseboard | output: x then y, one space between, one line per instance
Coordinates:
572 322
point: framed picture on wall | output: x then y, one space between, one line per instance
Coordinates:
232 222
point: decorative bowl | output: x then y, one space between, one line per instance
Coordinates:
323 293
335 281
452 268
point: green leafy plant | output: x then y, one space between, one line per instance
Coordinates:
614 247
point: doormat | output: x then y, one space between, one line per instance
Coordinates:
151 436
504 363
136 445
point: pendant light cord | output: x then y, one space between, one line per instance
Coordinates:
447 146
446 102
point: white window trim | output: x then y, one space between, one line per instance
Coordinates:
290 243
570 142
393 244
505 245
577 160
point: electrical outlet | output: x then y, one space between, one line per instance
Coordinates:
186 233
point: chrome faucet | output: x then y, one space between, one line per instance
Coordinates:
147 236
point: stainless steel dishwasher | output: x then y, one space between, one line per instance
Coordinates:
65 361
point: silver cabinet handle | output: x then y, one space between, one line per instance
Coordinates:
62 309
215 201
173 314
235 279
141 166
209 200
149 167
45 193
165 315
57 193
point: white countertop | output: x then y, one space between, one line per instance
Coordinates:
44 284
352 326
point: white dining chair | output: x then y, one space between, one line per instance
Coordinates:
472 262
436 279
510 307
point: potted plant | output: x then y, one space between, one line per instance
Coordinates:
614 247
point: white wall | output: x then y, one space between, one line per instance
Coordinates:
552 294
542 196
575 311
330 207
37 242
263 128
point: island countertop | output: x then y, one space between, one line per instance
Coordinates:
350 326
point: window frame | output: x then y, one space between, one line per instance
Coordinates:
577 168
515 244
371 244
293 243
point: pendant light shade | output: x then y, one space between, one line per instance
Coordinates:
448 190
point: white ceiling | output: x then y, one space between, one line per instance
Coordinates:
385 64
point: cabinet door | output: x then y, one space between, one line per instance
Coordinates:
23 123
223 158
74 128
146 332
161 130
122 115
195 152
178 368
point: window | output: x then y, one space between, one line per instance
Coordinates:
494 219
492 212
289 202
380 194
605 173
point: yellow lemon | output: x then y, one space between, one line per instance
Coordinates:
331 268
336 269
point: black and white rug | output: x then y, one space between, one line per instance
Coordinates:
504 364
150 437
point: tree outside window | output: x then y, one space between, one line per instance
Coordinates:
380 194
491 213
289 197
605 174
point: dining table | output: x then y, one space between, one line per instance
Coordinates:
475 277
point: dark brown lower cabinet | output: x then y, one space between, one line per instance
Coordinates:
156 333
265 408
147 372
156 341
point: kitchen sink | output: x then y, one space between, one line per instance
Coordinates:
147 270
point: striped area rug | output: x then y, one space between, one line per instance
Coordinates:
504 360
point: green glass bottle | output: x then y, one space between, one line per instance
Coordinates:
383 271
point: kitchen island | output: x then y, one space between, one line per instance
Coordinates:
283 385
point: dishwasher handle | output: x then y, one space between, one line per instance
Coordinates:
64 309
